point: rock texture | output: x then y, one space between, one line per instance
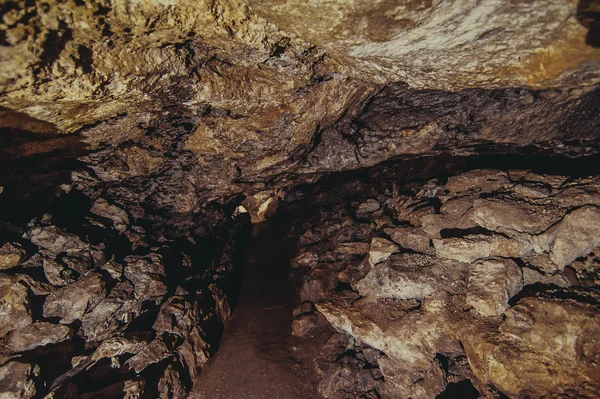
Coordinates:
139 138
111 313
464 286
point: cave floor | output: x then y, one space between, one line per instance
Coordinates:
258 357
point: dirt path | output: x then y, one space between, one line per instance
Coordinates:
257 357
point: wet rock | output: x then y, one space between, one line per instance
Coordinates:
17 380
11 254
70 302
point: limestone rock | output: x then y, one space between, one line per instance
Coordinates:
491 284
478 246
147 276
10 255
34 335
412 276
118 216
411 238
70 302
17 380
154 352
381 249
55 240
14 305
576 235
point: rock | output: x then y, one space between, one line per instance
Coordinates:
11 255
56 274
477 181
118 216
491 284
170 385
147 275
72 301
575 236
33 335
17 380
55 241
479 246
14 305
154 352
381 249
113 312
411 238
367 208
302 324
412 276
545 348
182 318
505 216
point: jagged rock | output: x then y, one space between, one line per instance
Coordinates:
147 275
10 255
367 208
33 335
544 347
182 318
491 283
56 274
15 309
111 313
479 246
302 324
70 302
154 352
381 249
575 236
170 385
17 380
54 240
119 217
411 238
504 216
412 276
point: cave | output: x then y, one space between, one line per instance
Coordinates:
245 199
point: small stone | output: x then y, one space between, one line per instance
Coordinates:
17 380
118 216
367 208
576 235
54 240
303 324
381 249
72 301
11 254
14 305
34 335
154 352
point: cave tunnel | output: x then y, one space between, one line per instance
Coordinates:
246 199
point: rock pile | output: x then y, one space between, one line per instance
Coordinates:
484 282
110 313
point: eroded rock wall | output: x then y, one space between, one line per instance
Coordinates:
484 279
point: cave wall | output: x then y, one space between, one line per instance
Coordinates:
150 121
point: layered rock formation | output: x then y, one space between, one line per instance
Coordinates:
486 279
131 131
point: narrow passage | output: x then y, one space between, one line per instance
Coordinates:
258 357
